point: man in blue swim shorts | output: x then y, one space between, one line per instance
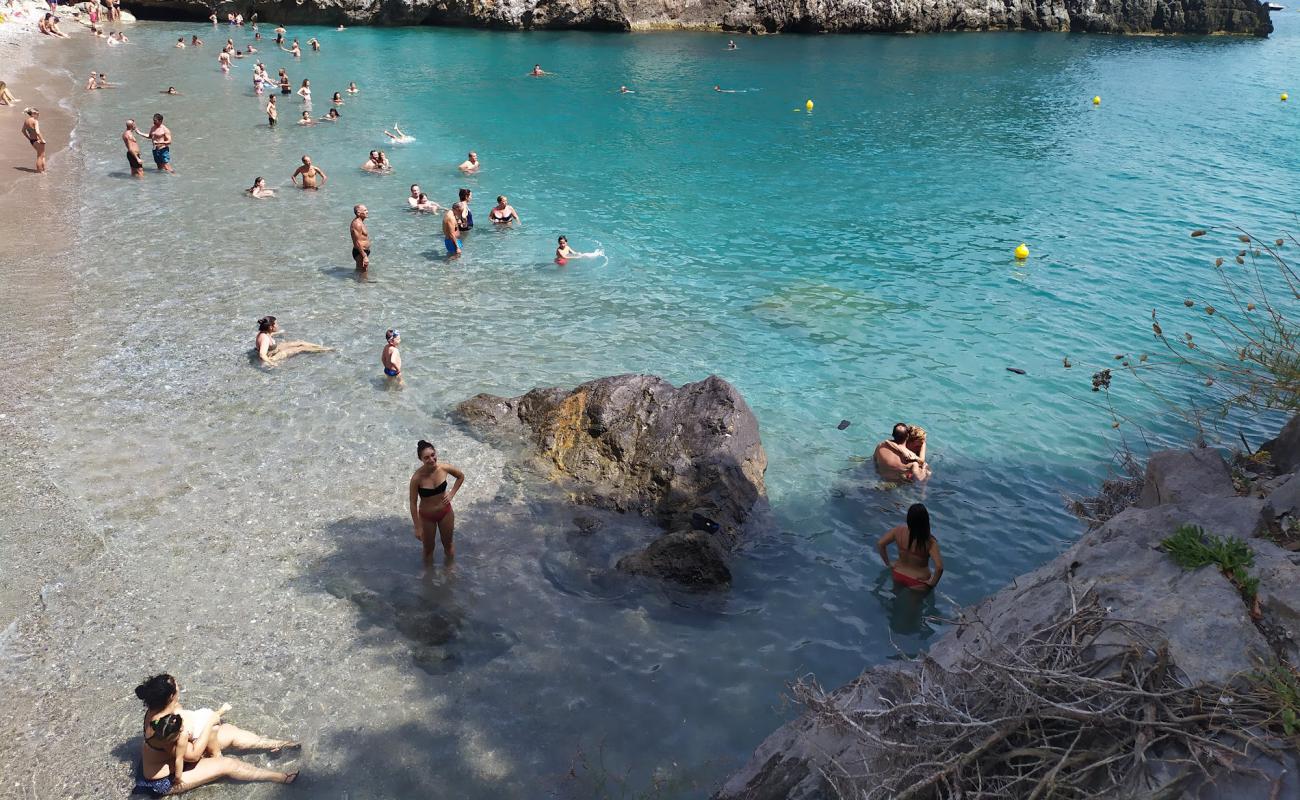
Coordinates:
450 233
162 143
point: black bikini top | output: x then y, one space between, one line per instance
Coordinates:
439 489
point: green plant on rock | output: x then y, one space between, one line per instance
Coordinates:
1192 548
1281 684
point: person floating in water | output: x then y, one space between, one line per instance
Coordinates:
538 72
916 547
625 90
272 352
731 44
259 189
895 458
182 749
430 501
390 357
331 116
718 88
503 213
470 164
360 238
310 173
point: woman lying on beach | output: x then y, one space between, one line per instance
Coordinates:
272 352
6 97
259 189
916 546
182 749
430 500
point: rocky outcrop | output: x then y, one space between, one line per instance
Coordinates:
688 458
757 16
1205 629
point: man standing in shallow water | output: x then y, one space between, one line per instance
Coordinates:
162 143
309 173
360 238
132 150
450 233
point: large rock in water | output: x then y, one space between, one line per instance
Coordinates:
689 458
806 16
1199 616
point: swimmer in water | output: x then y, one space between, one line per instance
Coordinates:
306 119
563 252
305 93
284 82
271 352
625 90
538 72
259 189
180 43
271 113
315 45
398 136
423 203
352 86
338 99
471 163
360 238
390 357
503 213
451 234
310 173
731 45
133 150
373 164
414 199
718 88
332 115
430 502
916 547
464 217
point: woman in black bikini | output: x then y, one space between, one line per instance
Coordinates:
431 502
182 748
32 130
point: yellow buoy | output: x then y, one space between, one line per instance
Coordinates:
1096 100
1284 97
1022 252
808 105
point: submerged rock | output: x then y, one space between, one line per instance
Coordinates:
759 16
683 457
1199 619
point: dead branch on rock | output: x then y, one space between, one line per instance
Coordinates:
1085 707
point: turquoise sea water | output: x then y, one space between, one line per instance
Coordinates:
849 263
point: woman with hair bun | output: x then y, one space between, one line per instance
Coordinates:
431 511
182 748
272 352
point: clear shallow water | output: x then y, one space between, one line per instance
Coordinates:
850 263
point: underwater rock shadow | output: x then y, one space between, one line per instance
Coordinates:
376 568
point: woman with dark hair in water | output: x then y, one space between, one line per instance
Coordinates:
431 510
272 352
182 749
916 546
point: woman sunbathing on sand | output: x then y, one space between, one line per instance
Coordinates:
182 749
273 352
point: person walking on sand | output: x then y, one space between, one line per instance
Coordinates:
390 357
182 748
162 143
32 131
360 238
916 547
451 233
133 150
310 173
430 502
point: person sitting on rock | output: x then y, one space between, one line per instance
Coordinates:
916 546
895 459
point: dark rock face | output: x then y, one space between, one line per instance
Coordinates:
684 457
756 16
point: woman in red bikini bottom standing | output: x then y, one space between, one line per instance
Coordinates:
916 546
431 510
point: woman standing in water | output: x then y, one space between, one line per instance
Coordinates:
916 546
272 352
430 500
182 749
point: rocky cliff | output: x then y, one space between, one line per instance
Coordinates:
1109 640
755 16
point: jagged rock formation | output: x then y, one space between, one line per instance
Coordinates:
756 16
688 458
1205 630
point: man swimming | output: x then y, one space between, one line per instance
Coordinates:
162 144
132 150
895 462
390 357
360 238
503 213
470 164
450 233
310 173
